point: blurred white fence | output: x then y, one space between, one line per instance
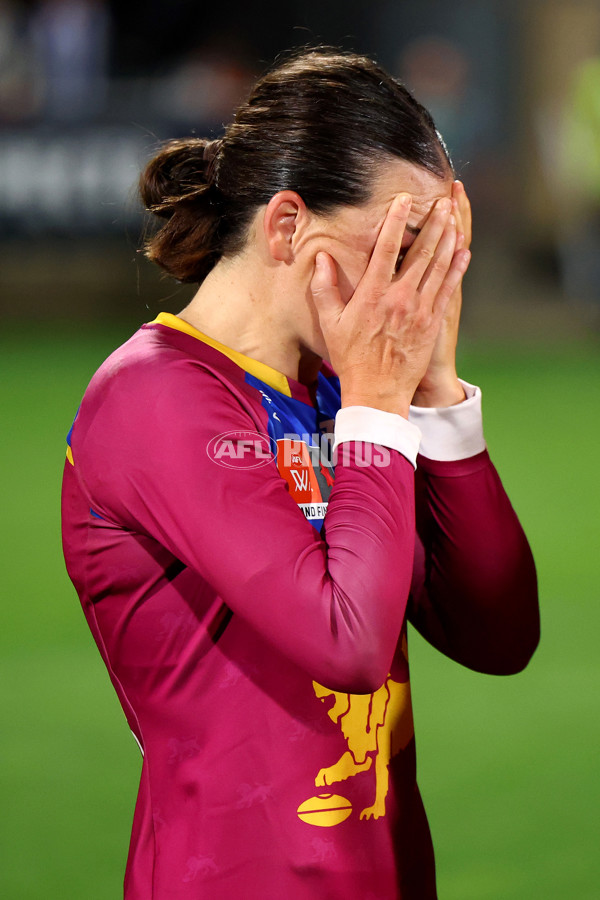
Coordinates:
70 181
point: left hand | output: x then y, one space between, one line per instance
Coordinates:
440 385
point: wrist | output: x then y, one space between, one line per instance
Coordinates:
440 392
376 398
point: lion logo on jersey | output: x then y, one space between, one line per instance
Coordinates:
376 727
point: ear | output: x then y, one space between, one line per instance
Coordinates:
285 214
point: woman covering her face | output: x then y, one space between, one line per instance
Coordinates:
261 491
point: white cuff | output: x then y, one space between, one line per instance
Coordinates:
451 432
365 423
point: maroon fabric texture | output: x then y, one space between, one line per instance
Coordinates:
261 665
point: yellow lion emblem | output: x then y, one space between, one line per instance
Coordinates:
376 727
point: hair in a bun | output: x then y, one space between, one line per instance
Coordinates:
177 185
319 123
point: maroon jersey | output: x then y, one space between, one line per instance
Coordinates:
250 602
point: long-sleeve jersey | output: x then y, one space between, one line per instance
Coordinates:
250 599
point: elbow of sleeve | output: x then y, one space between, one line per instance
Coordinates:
353 683
510 660
499 644
362 673
367 681
514 623
526 629
518 646
513 663
523 650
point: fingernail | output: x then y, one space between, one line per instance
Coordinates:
405 199
444 205
452 220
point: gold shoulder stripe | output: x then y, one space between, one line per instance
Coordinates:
259 370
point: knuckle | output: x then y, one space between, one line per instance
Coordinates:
373 297
423 322
425 252
445 292
389 247
440 265
379 292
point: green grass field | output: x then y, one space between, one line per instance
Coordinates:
508 767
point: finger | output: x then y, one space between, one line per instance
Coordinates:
454 275
457 188
422 250
464 207
382 265
460 234
442 260
324 289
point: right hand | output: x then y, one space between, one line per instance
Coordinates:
380 342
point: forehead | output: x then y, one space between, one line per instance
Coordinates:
360 225
396 177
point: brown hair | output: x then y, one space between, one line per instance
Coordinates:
319 123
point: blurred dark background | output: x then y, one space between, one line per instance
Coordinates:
88 88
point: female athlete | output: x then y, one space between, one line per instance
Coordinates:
261 492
